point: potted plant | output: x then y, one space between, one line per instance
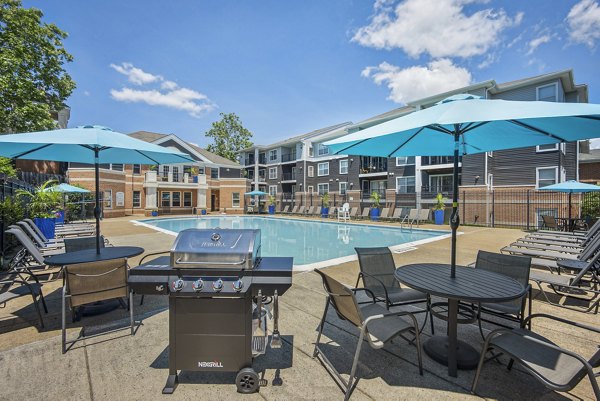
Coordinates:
325 205
154 212
438 209
42 205
194 172
272 203
375 198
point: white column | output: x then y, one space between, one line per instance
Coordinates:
151 197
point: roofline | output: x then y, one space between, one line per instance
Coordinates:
432 99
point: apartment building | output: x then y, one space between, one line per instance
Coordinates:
212 183
303 165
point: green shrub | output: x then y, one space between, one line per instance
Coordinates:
11 211
41 203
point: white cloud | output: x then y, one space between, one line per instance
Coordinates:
136 75
595 143
584 22
540 40
439 28
168 95
407 84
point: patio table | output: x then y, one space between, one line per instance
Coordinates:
471 285
568 224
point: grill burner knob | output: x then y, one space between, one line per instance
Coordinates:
197 285
238 285
217 285
177 285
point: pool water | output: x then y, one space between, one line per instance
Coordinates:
307 241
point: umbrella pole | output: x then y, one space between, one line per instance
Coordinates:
97 208
569 221
454 219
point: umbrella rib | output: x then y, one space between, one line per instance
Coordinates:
439 128
405 142
532 128
31 151
147 156
348 147
590 117
472 126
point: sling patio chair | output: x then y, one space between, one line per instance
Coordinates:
86 283
332 212
317 211
82 243
15 284
516 267
569 236
582 287
555 367
294 210
301 210
30 257
285 209
23 238
311 210
365 213
550 223
551 241
377 269
385 212
40 240
423 216
411 217
353 212
584 255
569 248
377 325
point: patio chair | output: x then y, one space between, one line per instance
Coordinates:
376 324
86 283
301 210
41 242
344 212
332 212
365 213
396 214
516 267
411 217
385 212
550 223
569 248
61 229
556 368
82 243
353 213
377 269
423 215
317 211
45 250
569 236
310 211
14 284
294 210
30 257
285 209
584 255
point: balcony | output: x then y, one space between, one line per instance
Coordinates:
248 161
152 177
373 166
437 160
366 196
288 177
435 189
288 157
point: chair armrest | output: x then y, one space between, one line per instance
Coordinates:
152 254
559 319
378 281
368 291
392 314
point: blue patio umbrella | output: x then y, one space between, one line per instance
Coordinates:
90 144
255 193
66 188
467 124
571 187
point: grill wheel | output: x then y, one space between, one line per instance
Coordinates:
247 381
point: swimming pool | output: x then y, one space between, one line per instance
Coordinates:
312 243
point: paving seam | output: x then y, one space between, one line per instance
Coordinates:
88 373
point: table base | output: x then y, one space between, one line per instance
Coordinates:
436 347
99 308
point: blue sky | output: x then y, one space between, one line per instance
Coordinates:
288 67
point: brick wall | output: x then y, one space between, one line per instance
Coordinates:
589 172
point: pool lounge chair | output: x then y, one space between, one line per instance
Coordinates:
285 209
584 255
23 238
377 325
40 243
365 213
423 216
385 212
16 284
301 210
294 210
411 217
310 211
30 258
556 368
317 211
353 212
569 236
548 247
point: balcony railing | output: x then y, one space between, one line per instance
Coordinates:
367 195
288 157
370 165
288 176
248 161
434 160
152 176
434 189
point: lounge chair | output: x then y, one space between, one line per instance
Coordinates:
332 212
584 255
285 209
30 258
15 284
301 210
365 213
411 217
569 248
555 367
344 212
40 243
18 232
423 216
518 268
87 283
377 269
385 212
310 211
353 212
377 326
569 236
294 210
396 214
317 211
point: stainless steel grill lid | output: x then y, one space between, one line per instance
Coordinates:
216 248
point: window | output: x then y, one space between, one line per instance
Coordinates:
344 166
311 171
310 189
137 169
116 166
404 160
440 183
187 199
322 189
272 190
311 152
546 176
272 173
175 174
548 93
165 199
323 169
322 150
343 188
201 170
546 148
235 199
165 171
176 199
214 173
108 199
405 185
137 198
273 155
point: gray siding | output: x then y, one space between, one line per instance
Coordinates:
230 172
473 166
334 177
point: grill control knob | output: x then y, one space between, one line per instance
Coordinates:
197 285
177 285
217 285
238 285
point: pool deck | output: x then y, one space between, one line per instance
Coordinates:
121 367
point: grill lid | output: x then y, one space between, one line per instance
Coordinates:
205 248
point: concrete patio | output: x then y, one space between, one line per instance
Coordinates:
122 367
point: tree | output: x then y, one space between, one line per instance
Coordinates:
33 82
229 136
7 168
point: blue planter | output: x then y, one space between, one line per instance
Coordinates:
271 209
47 226
375 214
60 218
154 213
324 212
195 179
439 217
203 211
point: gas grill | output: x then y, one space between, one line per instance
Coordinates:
221 292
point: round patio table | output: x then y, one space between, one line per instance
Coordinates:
90 255
471 285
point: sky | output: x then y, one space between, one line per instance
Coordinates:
289 67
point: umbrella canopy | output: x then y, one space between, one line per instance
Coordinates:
66 188
571 187
466 124
255 193
92 144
